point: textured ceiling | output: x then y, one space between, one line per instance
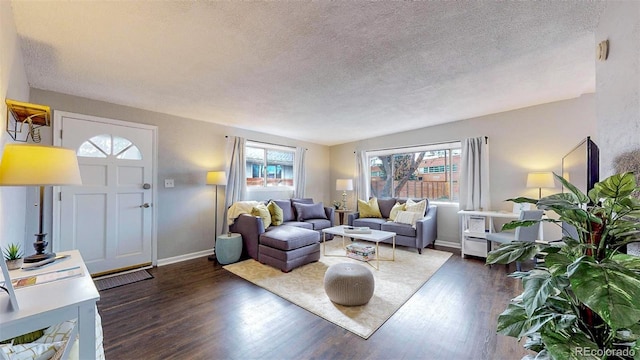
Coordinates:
327 72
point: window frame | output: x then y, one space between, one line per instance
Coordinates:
265 147
449 168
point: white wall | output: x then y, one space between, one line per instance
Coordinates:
618 83
13 85
529 139
618 86
187 149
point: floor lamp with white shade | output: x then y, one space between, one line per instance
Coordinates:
37 165
216 178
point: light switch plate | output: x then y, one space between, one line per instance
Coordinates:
168 183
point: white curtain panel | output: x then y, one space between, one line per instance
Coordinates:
362 183
299 172
236 179
474 174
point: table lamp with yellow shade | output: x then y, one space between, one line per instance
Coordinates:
37 165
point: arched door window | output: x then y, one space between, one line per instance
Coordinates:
104 145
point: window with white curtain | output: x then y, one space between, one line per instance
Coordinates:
269 166
427 171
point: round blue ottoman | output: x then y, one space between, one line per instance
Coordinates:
228 248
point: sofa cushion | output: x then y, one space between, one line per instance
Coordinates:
262 211
394 210
302 200
289 238
372 223
369 209
319 224
408 217
287 209
419 207
310 211
276 213
300 224
399 229
385 206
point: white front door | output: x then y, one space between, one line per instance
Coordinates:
110 217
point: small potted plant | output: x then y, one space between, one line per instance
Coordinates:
13 256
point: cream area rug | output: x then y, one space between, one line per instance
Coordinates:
395 283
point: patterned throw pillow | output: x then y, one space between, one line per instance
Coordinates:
395 209
369 209
58 332
24 339
418 207
408 217
262 211
30 351
277 215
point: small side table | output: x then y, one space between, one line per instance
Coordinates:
228 248
341 213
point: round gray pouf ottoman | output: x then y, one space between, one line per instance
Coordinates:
349 284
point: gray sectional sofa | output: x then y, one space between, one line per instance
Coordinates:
423 235
285 249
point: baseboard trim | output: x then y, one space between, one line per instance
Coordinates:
449 244
185 257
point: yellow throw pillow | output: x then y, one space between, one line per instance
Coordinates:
369 209
277 215
395 209
262 211
417 207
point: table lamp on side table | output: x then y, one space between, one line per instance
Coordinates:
28 165
344 185
216 178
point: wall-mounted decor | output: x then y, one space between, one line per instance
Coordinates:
628 162
25 120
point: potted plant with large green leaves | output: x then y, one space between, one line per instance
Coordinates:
583 301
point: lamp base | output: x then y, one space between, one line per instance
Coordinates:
38 257
40 246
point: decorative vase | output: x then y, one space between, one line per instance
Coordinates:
14 264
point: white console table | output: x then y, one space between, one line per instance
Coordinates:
474 240
47 304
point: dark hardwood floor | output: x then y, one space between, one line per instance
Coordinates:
198 310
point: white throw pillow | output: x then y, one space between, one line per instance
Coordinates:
418 207
394 211
408 217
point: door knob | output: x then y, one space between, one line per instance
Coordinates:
145 205
146 186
